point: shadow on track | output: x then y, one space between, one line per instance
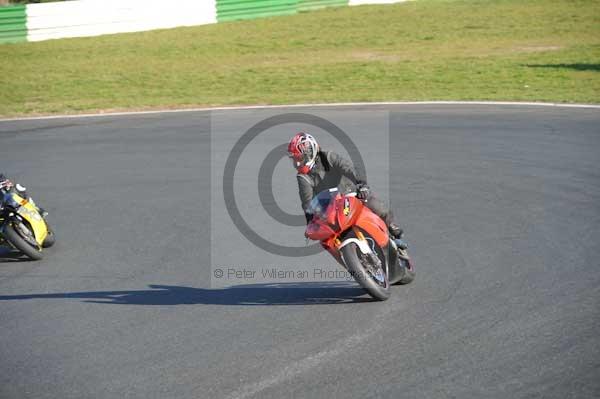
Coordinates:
250 295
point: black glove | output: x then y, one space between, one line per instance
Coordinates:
363 191
4 182
309 217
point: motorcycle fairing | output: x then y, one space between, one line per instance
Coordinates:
373 226
29 212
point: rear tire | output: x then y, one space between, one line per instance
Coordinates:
50 239
362 277
14 238
409 272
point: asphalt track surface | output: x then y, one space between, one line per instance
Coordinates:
500 203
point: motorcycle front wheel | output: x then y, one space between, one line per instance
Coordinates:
376 284
17 240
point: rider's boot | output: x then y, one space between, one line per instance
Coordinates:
396 234
395 231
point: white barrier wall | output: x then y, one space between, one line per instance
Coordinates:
98 17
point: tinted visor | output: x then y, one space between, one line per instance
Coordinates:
301 159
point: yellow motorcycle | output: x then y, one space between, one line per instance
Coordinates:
22 223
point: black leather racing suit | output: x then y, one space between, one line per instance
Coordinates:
331 170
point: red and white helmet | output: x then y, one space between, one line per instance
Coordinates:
303 150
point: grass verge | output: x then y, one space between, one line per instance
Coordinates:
521 50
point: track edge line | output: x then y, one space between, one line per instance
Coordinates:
319 105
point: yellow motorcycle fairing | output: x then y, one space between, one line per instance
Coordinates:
30 213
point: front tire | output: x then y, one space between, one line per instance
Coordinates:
379 291
14 238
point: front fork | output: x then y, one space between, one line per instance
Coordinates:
393 251
357 237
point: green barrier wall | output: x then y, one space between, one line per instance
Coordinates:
231 10
13 19
13 24
307 5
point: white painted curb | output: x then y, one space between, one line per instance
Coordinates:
322 105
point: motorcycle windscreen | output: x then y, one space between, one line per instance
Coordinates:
319 205
323 215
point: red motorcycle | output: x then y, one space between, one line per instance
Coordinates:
359 240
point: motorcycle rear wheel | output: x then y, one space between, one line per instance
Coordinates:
50 239
378 291
409 272
16 240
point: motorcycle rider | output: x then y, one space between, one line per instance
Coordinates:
7 184
320 170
